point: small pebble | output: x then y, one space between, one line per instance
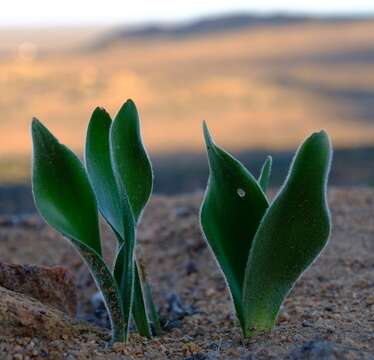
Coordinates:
119 347
284 316
370 300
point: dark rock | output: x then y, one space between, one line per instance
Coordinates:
177 309
326 350
198 247
191 268
182 212
306 323
175 312
330 308
99 315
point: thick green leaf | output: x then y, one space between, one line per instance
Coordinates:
146 291
133 174
99 168
108 288
139 311
130 159
233 207
264 177
152 309
139 307
64 198
62 191
100 172
292 233
126 284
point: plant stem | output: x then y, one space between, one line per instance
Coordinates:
109 289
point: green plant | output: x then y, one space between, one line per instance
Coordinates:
118 180
261 247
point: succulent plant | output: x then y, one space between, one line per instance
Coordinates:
263 247
118 181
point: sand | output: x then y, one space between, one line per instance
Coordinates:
329 313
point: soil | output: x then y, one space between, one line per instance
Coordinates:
328 315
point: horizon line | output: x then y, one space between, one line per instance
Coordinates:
114 22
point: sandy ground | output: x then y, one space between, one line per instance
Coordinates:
332 305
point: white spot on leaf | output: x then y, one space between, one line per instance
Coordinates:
240 192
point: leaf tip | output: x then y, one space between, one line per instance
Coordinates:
130 102
128 111
39 130
322 135
207 136
35 124
322 138
128 105
100 115
99 110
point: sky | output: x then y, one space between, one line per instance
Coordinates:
95 12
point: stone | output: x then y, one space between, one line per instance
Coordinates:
21 315
53 286
326 350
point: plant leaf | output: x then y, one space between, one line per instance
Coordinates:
152 309
99 168
233 207
100 172
64 198
108 288
133 176
264 177
149 303
132 164
62 191
139 311
292 233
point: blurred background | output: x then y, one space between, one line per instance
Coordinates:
263 75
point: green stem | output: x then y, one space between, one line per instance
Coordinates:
153 310
139 311
108 288
126 284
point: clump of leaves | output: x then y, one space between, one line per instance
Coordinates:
263 247
117 179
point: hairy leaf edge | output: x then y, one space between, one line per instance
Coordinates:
209 140
247 332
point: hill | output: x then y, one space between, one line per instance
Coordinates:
258 87
216 24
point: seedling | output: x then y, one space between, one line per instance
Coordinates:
263 247
118 180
